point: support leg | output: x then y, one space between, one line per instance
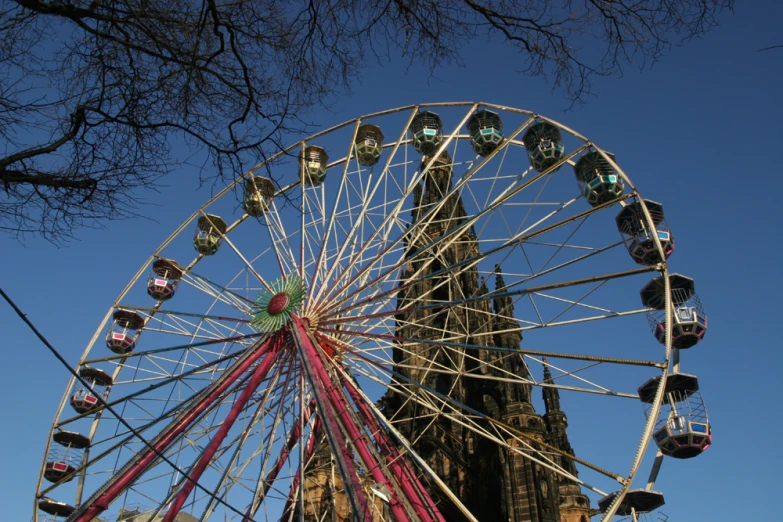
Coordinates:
359 439
310 358
414 490
206 457
140 462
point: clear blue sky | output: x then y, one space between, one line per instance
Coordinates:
699 132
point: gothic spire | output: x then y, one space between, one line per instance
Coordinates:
551 395
483 287
437 180
416 211
502 304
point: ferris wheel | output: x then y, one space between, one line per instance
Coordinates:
431 313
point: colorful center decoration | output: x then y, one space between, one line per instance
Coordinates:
278 303
272 308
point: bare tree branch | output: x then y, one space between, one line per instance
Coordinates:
94 94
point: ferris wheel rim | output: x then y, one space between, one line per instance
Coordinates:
663 269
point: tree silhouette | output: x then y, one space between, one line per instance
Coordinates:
94 94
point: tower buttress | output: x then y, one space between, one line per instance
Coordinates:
531 491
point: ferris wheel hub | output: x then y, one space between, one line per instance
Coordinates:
278 303
275 305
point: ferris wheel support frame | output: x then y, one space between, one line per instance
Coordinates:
336 401
119 482
413 488
195 473
342 455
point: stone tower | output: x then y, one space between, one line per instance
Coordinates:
531 492
574 506
499 485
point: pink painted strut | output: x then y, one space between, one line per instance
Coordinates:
136 466
414 490
338 401
309 450
312 366
259 375
406 477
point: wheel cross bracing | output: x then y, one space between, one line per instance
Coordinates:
367 362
